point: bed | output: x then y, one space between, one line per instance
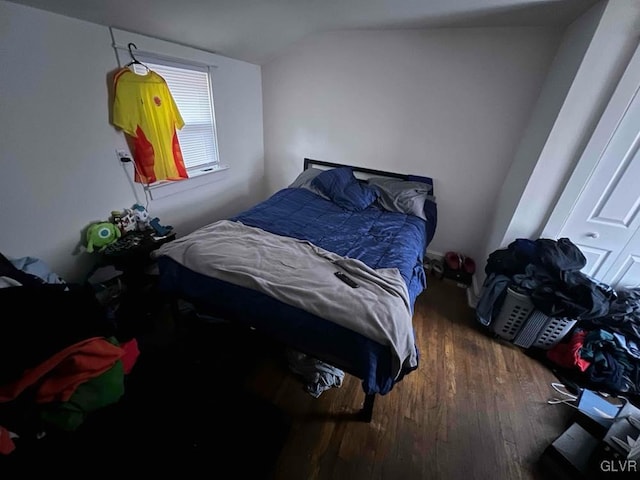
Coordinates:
272 268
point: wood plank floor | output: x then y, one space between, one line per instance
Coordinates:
475 409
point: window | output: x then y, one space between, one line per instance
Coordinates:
190 86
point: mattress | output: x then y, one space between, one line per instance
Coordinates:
378 238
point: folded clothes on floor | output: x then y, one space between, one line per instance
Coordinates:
319 376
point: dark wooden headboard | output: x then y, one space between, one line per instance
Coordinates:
309 162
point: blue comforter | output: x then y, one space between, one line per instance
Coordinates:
374 236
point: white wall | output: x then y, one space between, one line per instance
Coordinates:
58 166
563 69
593 55
448 103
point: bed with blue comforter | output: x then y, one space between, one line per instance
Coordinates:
382 235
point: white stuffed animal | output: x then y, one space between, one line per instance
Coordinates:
142 217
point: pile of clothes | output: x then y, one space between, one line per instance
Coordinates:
606 348
603 349
60 357
318 376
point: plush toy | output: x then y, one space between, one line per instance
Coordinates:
142 217
101 234
116 219
125 220
160 230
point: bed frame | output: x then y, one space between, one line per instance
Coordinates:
308 162
365 414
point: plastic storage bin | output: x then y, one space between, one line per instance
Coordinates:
523 325
554 330
529 332
515 311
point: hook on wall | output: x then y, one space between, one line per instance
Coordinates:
134 60
130 46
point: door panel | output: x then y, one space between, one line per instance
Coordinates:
629 274
595 257
620 202
625 271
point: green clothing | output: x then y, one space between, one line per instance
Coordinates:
90 396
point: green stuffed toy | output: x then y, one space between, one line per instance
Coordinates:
99 235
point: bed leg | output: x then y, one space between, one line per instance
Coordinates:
181 326
174 309
366 414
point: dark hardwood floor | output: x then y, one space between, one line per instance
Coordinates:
202 394
475 409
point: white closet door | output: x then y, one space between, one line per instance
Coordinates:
605 220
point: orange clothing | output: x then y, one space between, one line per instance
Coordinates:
144 108
59 376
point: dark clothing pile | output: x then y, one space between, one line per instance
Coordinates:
604 346
623 315
47 319
59 355
611 366
549 272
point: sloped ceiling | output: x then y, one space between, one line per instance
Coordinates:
257 30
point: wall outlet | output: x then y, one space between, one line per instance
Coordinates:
123 155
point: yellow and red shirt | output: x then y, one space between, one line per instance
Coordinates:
145 110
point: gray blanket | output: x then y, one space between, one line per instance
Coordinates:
302 275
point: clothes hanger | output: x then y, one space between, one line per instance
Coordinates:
134 60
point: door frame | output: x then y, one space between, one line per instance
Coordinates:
625 92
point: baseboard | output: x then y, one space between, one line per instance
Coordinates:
435 255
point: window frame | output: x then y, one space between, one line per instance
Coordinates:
151 58
158 49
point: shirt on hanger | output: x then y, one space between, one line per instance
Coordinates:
146 111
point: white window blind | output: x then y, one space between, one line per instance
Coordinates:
191 90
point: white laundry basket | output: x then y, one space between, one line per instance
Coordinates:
514 312
522 324
554 330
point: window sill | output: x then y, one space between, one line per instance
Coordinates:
196 179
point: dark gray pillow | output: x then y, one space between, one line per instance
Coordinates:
403 196
305 177
304 181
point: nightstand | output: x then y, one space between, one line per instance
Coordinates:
138 301
131 254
